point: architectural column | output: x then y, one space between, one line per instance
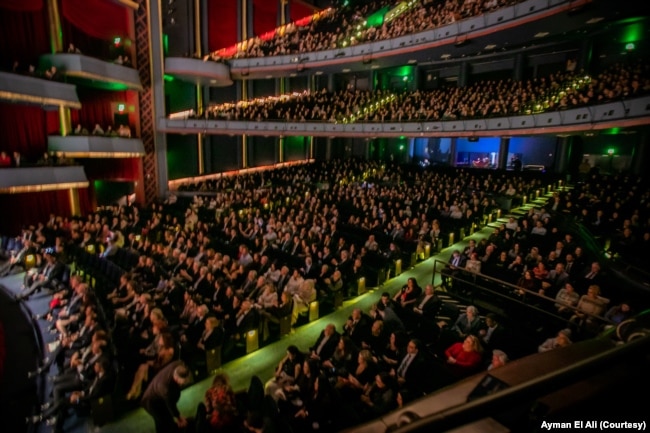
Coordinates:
54 26
503 153
198 49
65 122
519 68
75 207
330 82
328 149
149 47
452 152
562 153
463 74
311 147
640 154
280 155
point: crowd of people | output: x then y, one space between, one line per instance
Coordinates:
122 130
348 25
559 91
250 250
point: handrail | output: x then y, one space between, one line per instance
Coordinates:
539 386
514 287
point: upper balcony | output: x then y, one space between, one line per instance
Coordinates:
27 89
36 179
92 72
94 146
532 21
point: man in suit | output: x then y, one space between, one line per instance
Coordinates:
162 395
358 326
102 384
19 259
456 264
325 344
411 371
52 271
555 281
494 335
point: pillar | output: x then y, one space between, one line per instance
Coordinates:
280 156
244 151
640 154
452 152
65 122
463 74
328 149
519 68
54 26
562 153
75 207
503 153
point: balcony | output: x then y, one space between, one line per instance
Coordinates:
198 72
628 113
92 72
530 21
37 179
92 146
25 89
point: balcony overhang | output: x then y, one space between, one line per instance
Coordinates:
91 146
37 179
624 114
91 72
199 72
37 91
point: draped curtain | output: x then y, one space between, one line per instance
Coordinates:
25 128
22 5
97 18
222 24
23 35
122 169
31 208
265 16
97 107
88 45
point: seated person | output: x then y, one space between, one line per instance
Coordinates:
276 311
464 359
326 344
306 295
164 356
590 306
287 371
344 359
566 298
562 339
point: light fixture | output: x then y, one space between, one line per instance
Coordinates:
541 34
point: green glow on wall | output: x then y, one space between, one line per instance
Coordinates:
632 33
165 44
377 19
169 78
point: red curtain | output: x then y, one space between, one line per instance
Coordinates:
88 45
23 37
97 107
25 128
298 10
123 169
31 208
97 18
22 5
265 16
222 24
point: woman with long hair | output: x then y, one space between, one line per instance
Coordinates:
218 411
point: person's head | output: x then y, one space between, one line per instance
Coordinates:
471 311
365 356
563 337
181 375
330 329
491 320
472 344
499 359
356 314
292 351
211 323
593 291
413 346
428 290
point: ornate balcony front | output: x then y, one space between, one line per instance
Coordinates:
37 179
93 146
92 72
26 89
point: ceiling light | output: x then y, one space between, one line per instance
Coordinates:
318 73
541 34
445 56
346 70
490 47
595 20
412 61
268 77
292 74
374 67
